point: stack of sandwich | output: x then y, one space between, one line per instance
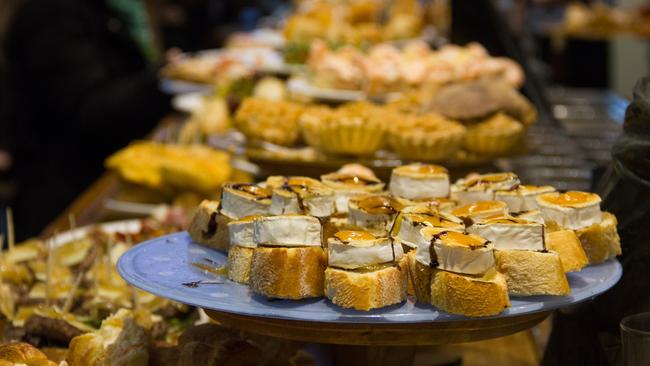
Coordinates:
464 248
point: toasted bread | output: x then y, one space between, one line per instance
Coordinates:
469 295
366 290
209 227
531 273
420 278
567 245
601 241
239 263
288 273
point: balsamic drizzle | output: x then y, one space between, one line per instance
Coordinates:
212 227
195 284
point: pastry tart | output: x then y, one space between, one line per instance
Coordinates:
289 261
301 195
419 181
271 121
494 136
482 187
365 272
426 138
480 210
353 129
310 121
373 212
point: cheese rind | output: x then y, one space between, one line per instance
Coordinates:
529 236
242 233
288 231
237 204
523 198
418 181
454 258
363 253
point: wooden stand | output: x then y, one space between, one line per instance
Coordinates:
379 344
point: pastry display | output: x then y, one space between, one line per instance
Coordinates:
289 261
364 272
384 68
580 211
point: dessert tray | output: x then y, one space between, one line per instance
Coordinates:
174 267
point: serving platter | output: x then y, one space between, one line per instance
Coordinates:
167 267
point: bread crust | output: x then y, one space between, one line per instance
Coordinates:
209 227
469 295
366 290
420 277
601 241
288 273
567 245
530 273
239 263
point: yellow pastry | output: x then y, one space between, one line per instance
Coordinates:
496 135
430 137
272 121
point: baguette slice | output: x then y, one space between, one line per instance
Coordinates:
366 290
288 273
530 273
469 295
568 246
209 227
420 278
601 241
239 263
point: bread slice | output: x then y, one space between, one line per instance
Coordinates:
601 241
288 273
366 290
209 227
469 295
239 263
420 278
567 245
531 273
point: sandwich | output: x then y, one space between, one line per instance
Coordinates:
580 212
364 272
455 272
521 255
289 261
209 225
409 222
350 184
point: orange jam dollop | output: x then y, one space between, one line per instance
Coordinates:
477 207
571 198
347 236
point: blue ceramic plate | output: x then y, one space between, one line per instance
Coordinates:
163 266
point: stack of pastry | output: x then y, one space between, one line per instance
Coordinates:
465 247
